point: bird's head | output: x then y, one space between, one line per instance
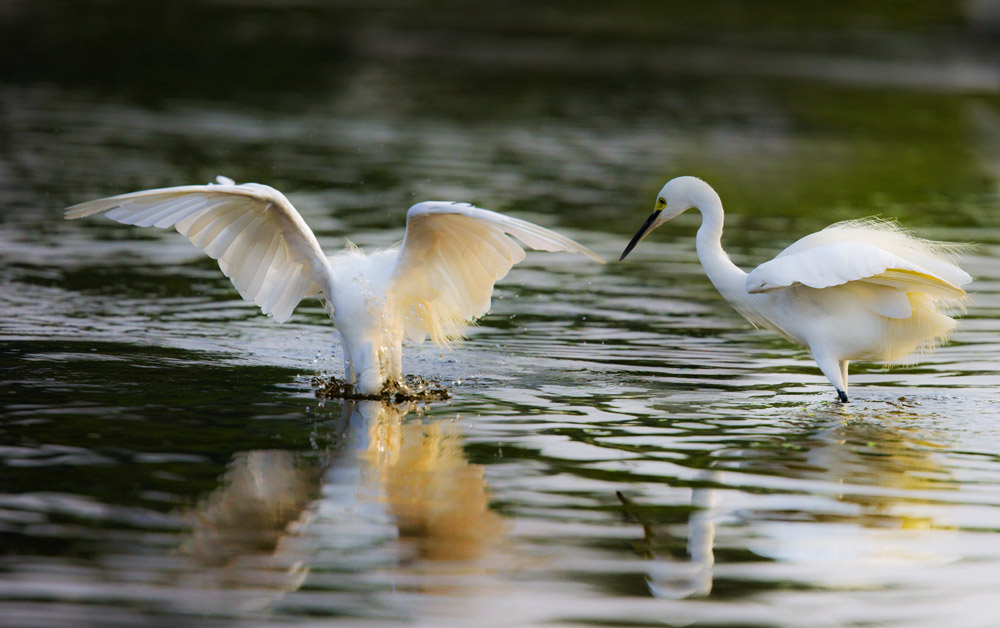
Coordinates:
675 198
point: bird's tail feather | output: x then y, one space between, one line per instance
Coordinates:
928 326
444 324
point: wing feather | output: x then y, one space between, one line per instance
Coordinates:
272 277
239 246
937 257
452 254
282 277
192 216
838 263
260 241
263 265
228 235
169 216
212 223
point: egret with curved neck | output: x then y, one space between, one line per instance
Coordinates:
857 290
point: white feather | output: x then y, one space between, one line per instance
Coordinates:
438 281
857 290
452 255
260 240
835 264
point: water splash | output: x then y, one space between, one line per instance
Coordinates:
413 388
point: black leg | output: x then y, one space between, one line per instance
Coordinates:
842 395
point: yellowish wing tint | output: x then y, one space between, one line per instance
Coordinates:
452 255
916 281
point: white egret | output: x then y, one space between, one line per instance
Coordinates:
857 290
435 283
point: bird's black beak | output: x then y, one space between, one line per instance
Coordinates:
641 233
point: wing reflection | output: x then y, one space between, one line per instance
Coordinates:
866 481
243 540
275 511
419 470
260 495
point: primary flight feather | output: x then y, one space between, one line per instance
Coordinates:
857 290
436 283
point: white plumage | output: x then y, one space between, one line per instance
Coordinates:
437 282
857 290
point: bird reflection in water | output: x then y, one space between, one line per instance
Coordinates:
885 469
419 470
255 536
680 574
244 537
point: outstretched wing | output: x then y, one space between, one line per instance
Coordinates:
838 263
261 242
451 256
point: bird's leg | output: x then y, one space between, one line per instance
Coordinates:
835 371
367 368
396 366
396 360
843 375
350 375
348 368
361 363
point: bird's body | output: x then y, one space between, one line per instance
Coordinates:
857 290
435 283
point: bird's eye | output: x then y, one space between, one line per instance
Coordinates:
661 201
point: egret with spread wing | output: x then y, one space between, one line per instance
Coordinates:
857 290
436 283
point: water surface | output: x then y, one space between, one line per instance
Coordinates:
621 448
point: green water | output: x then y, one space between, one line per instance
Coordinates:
621 447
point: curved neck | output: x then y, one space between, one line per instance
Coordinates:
726 276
